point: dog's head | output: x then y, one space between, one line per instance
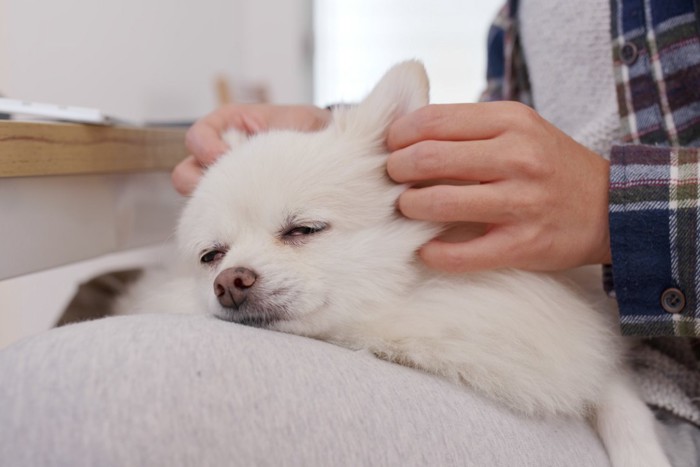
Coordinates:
298 231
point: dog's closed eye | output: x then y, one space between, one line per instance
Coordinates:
298 233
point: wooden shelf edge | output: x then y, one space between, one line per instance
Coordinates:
29 149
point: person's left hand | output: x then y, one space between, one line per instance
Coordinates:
543 195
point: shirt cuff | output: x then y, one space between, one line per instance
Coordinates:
654 227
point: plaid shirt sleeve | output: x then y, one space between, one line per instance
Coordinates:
654 179
654 222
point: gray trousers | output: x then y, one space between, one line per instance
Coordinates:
175 390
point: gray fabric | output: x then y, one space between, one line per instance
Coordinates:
667 370
177 390
680 439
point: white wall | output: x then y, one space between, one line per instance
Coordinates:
151 59
358 40
275 46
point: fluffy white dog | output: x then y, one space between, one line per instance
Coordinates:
298 232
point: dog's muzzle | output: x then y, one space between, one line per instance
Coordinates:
242 300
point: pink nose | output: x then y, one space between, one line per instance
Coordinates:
232 285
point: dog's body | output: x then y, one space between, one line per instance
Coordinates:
298 232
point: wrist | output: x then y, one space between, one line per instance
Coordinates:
603 253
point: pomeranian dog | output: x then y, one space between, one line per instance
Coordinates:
299 233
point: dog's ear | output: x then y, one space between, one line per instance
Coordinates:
403 89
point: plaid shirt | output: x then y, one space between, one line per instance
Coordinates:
655 168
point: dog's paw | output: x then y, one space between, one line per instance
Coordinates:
401 356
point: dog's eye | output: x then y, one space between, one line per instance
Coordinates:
299 231
303 230
211 256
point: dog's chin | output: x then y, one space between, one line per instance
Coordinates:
248 317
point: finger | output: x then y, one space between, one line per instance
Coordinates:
204 138
186 175
299 118
454 122
204 141
490 251
448 203
432 160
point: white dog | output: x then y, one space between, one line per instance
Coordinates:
298 232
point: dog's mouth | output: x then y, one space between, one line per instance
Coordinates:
260 309
248 317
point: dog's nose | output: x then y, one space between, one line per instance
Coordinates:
232 285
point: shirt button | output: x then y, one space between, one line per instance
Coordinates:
673 300
629 53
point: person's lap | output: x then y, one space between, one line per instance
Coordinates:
185 390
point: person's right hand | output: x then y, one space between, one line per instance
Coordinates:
204 141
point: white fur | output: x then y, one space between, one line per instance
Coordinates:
524 339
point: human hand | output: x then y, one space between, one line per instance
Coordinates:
543 196
204 141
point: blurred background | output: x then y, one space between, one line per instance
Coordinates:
159 59
176 60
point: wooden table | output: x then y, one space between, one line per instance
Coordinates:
73 192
